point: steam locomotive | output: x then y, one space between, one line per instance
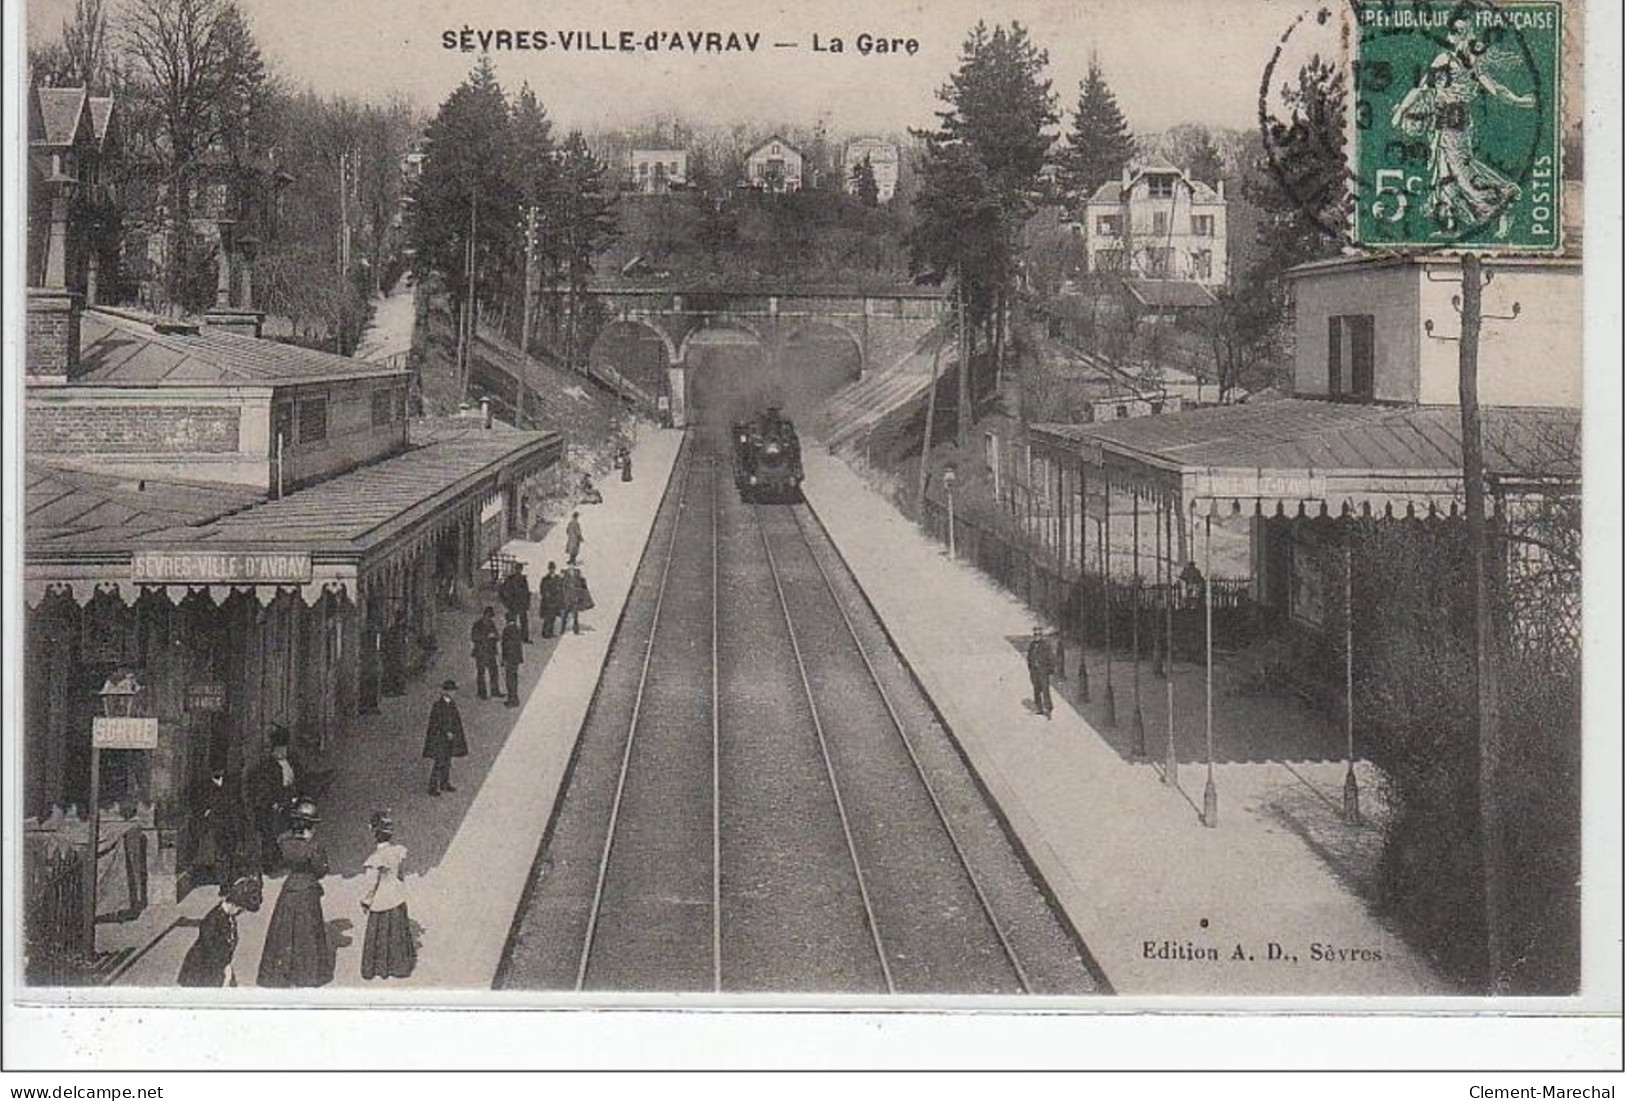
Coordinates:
767 458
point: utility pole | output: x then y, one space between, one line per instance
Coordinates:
930 427
469 306
530 275
1488 710
962 430
344 214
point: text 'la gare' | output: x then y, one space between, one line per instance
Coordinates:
865 44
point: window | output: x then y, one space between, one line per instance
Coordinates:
383 407
1161 187
1350 357
1202 264
1159 224
1202 225
1109 225
312 420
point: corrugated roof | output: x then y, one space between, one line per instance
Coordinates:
1299 434
66 506
1169 293
120 349
58 118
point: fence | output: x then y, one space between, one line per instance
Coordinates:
1080 603
53 919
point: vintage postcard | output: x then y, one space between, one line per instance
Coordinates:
995 506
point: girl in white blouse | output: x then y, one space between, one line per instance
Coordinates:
387 952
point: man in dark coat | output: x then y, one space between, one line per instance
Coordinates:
513 655
573 539
1040 666
576 599
273 786
444 739
515 593
484 635
218 830
547 598
623 459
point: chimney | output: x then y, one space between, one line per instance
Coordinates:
52 339
234 320
1220 187
485 412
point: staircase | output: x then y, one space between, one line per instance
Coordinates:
854 411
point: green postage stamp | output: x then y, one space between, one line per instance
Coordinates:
1456 135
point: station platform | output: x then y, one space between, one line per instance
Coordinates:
470 851
1151 890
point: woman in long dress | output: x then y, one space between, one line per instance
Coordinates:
297 952
387 952
1465 191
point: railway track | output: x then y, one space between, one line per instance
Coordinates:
762 802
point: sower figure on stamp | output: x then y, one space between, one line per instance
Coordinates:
444 738
515 593
513 656
1041 666
484 635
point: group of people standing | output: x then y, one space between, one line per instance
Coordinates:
297 951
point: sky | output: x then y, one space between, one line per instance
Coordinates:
1168 61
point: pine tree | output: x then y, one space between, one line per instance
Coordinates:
864 185
584 211
1100 144
535 179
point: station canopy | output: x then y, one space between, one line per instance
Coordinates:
1303 457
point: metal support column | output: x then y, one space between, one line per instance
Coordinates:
1106 595
1210 793
1139 587
1170 768
1351 787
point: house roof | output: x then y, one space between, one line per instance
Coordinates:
363 508
119 348
1112 190
74 507
769 140
1331 453
1169 293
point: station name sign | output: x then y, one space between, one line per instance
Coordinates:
220 567
1259 485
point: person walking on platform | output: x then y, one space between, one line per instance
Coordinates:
573 539
297 952
387 950
220 831
444 738
1041 666
577 599
547 598
273 785
513 656
208 961
515 593
623 459
484 635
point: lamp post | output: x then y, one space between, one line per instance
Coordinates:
950 477
116 728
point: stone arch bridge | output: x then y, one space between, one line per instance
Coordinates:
653 341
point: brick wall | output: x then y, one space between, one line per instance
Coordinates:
53 334
112 430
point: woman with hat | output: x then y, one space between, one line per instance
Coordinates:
208 961
296 948
387 952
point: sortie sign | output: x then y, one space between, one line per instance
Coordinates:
122 733
240 567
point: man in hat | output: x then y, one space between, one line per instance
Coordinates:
515 594
573 539
547 598
444 739
484 635
217 828
513 655
272 788
208 961
576 599
1040 667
